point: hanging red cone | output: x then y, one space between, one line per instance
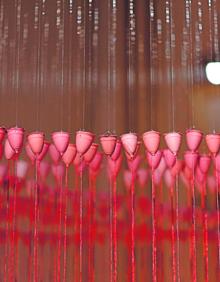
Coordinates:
193 139
151 141
69 154
108 143
213 142
117 151
84 140
90 153
173 141
61 141
36 142
129 142
15 138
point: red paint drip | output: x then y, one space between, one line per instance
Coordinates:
177 230
111 230
154 248
173 237
81 223
60 232
132 231
194 274
115 228
35 262
205 231
91 245
65 228
218 220
7 225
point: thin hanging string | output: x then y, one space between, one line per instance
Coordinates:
7 224
172 46
70 88
38 11
191 72
113 61
62 41
177 230
130 63
151 44
109 88
111 230
216 43
133 265
205 230
84 65
18 39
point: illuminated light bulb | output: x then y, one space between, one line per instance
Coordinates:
213 72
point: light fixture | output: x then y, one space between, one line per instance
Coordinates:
213 72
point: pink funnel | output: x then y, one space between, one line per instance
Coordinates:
193 139
90 153
15 138
204 163
44 151
69 154
129 142
154 160
213 142
9 151
29 152
108 143
176 169
170 158
54 154
96 162
84 140
61 140
2 133
36 142
191 159
173 141
114 166
134 163
151 141
117 151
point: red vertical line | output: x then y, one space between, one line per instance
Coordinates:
7 226
194 227
90 258
81 223
76 229
154 248
65 226
132 229
30 242
173 236
160 274
177 230
115 228
60 230
35 258
111 229
218 218
205 230
12 255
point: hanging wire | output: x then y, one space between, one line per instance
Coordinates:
152 15
70 64
172 46
84 65
17 59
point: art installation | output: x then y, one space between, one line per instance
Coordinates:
111 178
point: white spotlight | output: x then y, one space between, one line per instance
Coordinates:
213 72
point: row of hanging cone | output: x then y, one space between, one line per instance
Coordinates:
37 146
